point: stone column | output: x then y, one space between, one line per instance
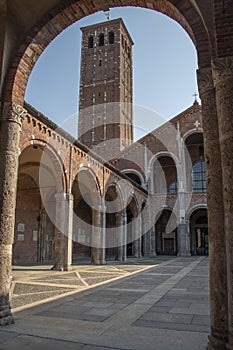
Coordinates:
223 81
183 239
124 224
217 251
63 232
119 237
152 233
136 236
95 237
98 236
102 259
11 120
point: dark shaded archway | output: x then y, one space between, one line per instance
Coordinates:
36 205
85 190
199 232
166 238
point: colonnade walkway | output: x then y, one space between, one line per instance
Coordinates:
138 305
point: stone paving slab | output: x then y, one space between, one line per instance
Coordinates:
39 278
112 317
25 343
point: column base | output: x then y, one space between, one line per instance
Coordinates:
57 268
6 317
150 255
120 259
184 254
217 344
102 262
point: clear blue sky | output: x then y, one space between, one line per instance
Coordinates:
164 61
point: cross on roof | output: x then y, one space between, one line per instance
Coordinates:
107 14
196 124
195 100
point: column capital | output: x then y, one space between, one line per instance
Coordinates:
13 112
205 80
222 69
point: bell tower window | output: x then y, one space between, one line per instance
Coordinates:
90 42
111 38
101 40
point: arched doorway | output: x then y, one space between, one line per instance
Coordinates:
199 232
166 233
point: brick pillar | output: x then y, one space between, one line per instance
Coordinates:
217 251
223 81
11 120
63 232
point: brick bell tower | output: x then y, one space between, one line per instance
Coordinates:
105 105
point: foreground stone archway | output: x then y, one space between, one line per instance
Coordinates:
216 95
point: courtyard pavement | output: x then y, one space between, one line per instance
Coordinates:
147 304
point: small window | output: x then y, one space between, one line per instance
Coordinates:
129 52
122 41
111 38
100 63
101 40
90 42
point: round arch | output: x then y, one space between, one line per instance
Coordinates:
92 180
166 231
118 199
56 167
133 229
40 178
191 132
166 182
134 172
86 203
198 228
193 209
163 154
63 15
